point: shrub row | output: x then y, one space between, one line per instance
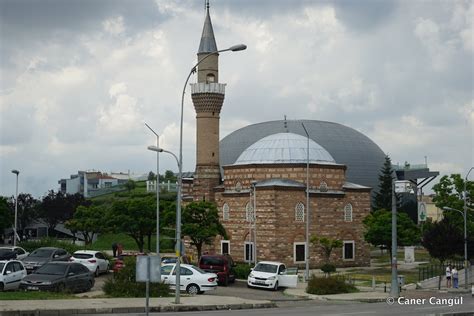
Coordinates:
242 270
31 245
329 285
124 284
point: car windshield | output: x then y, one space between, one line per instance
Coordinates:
42 253
265 267
82 255
54 269
212 261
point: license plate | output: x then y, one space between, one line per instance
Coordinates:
33 288
259 282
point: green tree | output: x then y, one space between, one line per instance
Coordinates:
89 221
169 175
383 197
201 224
6 219
378 232
135 217
130 185
151 176
326 244
443 240
27 210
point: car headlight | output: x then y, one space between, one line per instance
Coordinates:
272 278
38 264
251 275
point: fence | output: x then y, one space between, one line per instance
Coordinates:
434 270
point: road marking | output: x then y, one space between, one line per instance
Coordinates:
356 313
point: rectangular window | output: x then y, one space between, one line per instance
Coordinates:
348 251
248 251
299 251
225 247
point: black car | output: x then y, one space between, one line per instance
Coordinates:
59 277
43 255
7 254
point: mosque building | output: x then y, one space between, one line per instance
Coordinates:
258 178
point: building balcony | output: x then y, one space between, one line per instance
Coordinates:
208 88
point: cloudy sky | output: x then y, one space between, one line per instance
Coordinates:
79 78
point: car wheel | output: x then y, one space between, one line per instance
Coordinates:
97 272
275 288
192 289
226 281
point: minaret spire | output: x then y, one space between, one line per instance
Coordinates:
208 42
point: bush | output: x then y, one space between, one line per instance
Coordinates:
242 270
123 284
329 285
31 245
328 268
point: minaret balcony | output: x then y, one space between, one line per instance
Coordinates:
202 87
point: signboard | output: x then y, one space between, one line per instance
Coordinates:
148 269
421 211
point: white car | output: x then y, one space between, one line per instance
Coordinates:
192 279
11 273
270 275
20 252
95 261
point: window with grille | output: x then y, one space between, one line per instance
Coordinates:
248 251
299 212
249 213
225 212
225 247
348 213
323 186
238 186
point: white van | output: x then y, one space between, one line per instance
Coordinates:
270 275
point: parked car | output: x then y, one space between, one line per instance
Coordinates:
95 261
43 255
20 252
171 259
59 276
11 273
222 265
193 280
7 254
270 275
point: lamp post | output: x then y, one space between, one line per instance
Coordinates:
254 186
394 289
234 48
16 207
306 251
157 193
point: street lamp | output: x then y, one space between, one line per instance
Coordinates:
254 186
306 251
16 207
157 193
234 48
394 289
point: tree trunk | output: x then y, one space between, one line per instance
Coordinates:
199 249
149 242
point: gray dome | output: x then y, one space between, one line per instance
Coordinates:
284 148
363 158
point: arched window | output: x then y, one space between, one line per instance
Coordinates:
323 186
225 212
299 212
348 213
238 186
249 213
210 78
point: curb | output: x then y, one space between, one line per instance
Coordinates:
121 310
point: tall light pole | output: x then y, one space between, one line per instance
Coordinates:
394 289
16 207
234 48
464 215
157 193
254 186
466 275
306 251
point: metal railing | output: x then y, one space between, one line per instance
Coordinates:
435 270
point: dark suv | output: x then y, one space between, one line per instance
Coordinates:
222 265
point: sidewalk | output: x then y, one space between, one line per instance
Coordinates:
125 305
362 296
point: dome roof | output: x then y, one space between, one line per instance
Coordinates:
284 148
363 158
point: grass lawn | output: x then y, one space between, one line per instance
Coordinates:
21 295
383 275
420 255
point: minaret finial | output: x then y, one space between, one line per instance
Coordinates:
207 5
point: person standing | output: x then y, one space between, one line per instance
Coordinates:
454 273
114 249
448 276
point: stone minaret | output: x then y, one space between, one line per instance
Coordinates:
208 96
